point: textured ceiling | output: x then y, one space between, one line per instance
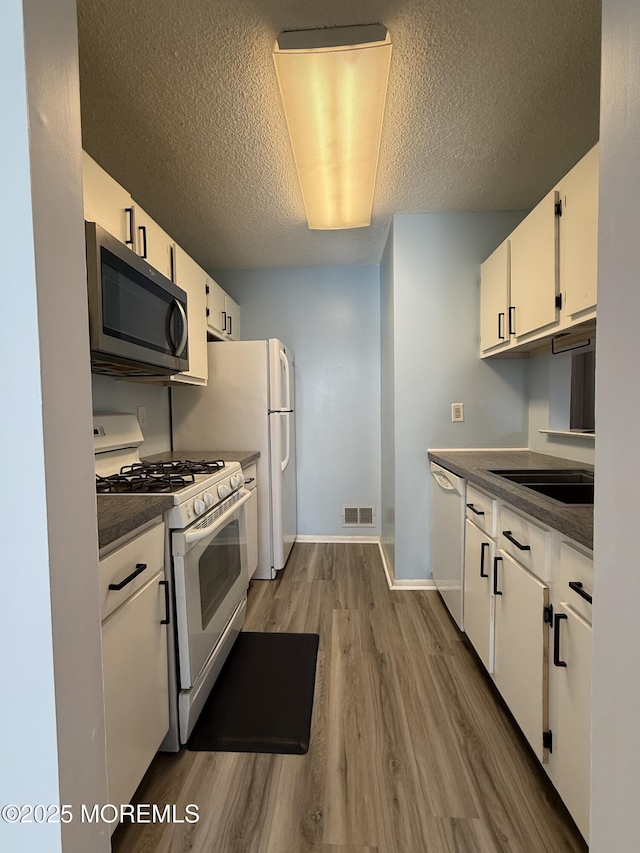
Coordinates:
490 102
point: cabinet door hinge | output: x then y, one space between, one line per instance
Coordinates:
559 301
557 209
547 740
548 615
208 312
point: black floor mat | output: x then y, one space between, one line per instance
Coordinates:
263 698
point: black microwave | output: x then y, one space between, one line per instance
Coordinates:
137 317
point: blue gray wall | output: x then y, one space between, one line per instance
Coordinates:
549 403
330 317
114 395
436 307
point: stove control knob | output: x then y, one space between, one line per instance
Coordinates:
236 480
198 506
208 499
223 490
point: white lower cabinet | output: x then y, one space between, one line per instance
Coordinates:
479 551
570 682
527 613
570 758
521 647
134 660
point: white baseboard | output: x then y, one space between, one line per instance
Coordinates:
311 538
414 583
402 583
393 583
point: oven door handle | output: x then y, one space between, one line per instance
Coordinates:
197 535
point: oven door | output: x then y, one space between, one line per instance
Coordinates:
210 574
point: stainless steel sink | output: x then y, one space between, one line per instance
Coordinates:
567 486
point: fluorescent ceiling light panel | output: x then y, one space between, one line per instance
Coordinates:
333 84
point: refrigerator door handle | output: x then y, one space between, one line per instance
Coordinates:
287 379
287 454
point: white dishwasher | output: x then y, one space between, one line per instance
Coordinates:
447 538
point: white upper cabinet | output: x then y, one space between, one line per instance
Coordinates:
216 315
211 312
193 279
494 298
152 243
534 269
223 313
579 235
106 202
547 269
232 310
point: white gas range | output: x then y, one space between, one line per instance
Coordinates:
205 550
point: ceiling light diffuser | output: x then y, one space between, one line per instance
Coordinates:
333 84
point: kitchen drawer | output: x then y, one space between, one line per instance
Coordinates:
481 509
529 543
251 476
148 549
576 567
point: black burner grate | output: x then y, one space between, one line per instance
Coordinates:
147 477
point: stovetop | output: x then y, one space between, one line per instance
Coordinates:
156 477
195 487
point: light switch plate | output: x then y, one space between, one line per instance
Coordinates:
142 416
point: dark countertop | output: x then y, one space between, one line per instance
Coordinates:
244 457
120 514
475 466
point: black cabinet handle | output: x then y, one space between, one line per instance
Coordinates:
165 584
250 480
576 586
501 335
140 567
512 320
556 639
129 212
473 509
496 591
483 574
224 321
507 534
143 229
230 324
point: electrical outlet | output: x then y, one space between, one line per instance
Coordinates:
142 416
457 412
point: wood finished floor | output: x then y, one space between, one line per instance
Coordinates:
410 751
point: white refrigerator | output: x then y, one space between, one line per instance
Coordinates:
249 404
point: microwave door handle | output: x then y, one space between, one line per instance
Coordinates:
203 533
185 330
